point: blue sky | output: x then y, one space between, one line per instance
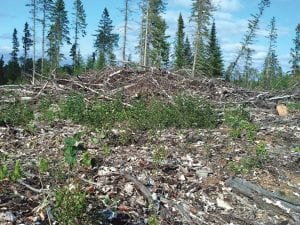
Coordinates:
231 21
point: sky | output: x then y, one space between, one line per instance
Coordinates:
231 17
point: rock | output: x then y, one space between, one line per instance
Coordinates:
282 110
7 217
222 204
203 173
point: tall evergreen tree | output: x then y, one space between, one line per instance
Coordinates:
215 62
2 72
248 71
46 8
271 68
27 41
58 33
15 48
159 48
249 36
79 29
13 67
201 15
106 40
153 45
188 54
295 53
180 59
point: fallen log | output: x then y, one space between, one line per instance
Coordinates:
264 198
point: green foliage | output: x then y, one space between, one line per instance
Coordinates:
3 171
296 149
186 112
159 154
69 206
106 149
46 110
86 159
294 105
43 165
216 66
247 164
17 113
106 41
153 220
179 47
16 174
70 149
240 122
73 108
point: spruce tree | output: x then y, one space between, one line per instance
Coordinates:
58 33
2 72
27 41
13 67
15 48
79 26
106 40
180 59
271 68
153 46
188 54
215 62
159 47
248 72
295 54
201 15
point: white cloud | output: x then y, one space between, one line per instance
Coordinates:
227 5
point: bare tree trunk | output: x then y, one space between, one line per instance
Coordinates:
34 40
146 37
125 31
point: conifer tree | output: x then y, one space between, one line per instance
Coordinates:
13 67
58 33
159 47
188 55
106 40
153 45
91 60
79 26
2 72
46 8
201 15
271 68
27 41
215 62
248 72
180 59
295 53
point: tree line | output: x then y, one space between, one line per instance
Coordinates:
201 55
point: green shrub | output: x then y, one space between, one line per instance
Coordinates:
294 105
17 172
69 205
73 108
71 148
240 121
3 172
17 113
